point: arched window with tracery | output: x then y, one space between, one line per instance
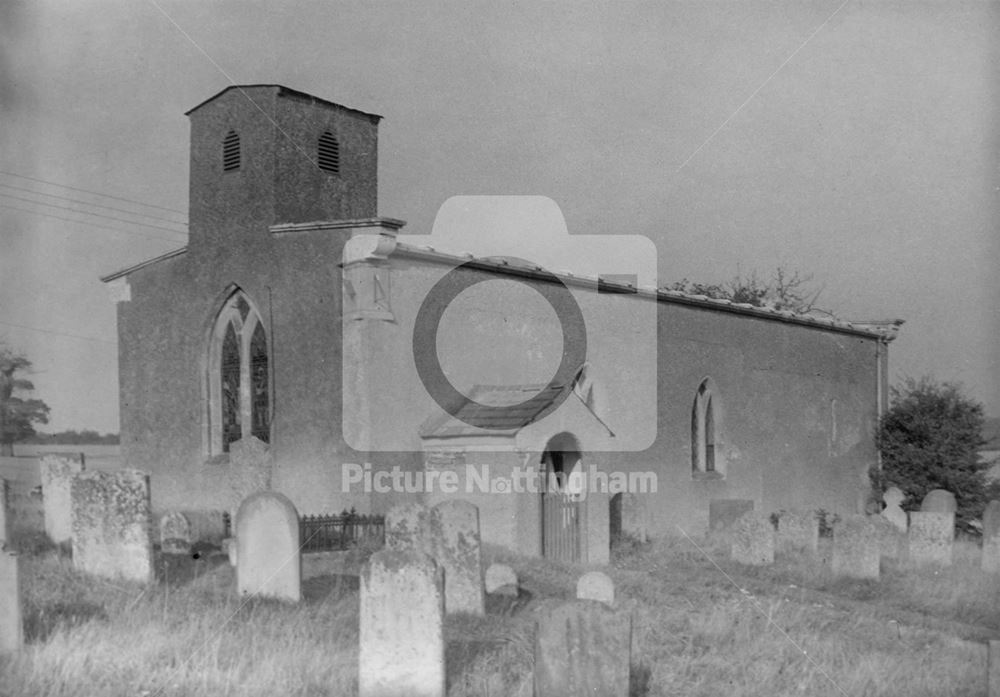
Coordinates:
239 376
705 451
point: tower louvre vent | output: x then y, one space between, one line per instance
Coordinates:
328 153
231 152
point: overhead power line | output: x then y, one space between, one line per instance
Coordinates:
58 333
96 215
87 191
90 203
87 222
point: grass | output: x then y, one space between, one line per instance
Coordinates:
702 626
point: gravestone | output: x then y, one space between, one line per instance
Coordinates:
582 647
938 501
401 637
229 547
406 526
268 560
595 585
628 517
175 534
856 550
452 536
892 541
797 530
11 621
892 512
111 524
991 538
56 471
501 580
931 535
724 513
752 540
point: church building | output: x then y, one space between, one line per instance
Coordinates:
291 345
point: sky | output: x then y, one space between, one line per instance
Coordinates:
854 141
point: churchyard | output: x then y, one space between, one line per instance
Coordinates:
765 604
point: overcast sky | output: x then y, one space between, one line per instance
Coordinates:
855 141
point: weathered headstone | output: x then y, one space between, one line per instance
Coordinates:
401 638
111 524
938 501
405 527
891 540
595 585
991 539
856 550
628 516
931 536
752 540
582 647
56 471
724 513
798 530
11 621
892 512
175 533
501 580
453 538
268 560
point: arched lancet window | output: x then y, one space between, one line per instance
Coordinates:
328 153
231 152
704 431
239 379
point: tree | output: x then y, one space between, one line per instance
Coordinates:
785 291
929 439
17 414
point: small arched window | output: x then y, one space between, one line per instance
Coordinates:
705 455
239 376
231 152
328 153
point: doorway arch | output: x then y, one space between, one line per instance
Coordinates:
562 505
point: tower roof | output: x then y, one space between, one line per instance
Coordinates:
284 92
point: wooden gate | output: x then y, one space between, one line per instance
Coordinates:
561 518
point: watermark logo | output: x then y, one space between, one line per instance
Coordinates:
483 479
503 338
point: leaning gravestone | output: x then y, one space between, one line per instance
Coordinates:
175 534
991 538
582 647
268 560
401 637
938 501
111 524
501 580
595 585
11 622
724 513
453 538
56 471
856 548
798 530
753 540
406 526
892 512
930 537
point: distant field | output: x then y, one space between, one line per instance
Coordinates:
22 469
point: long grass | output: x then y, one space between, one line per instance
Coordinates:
703 625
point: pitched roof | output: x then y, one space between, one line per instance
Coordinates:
283 92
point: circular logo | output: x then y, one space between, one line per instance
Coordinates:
487 416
